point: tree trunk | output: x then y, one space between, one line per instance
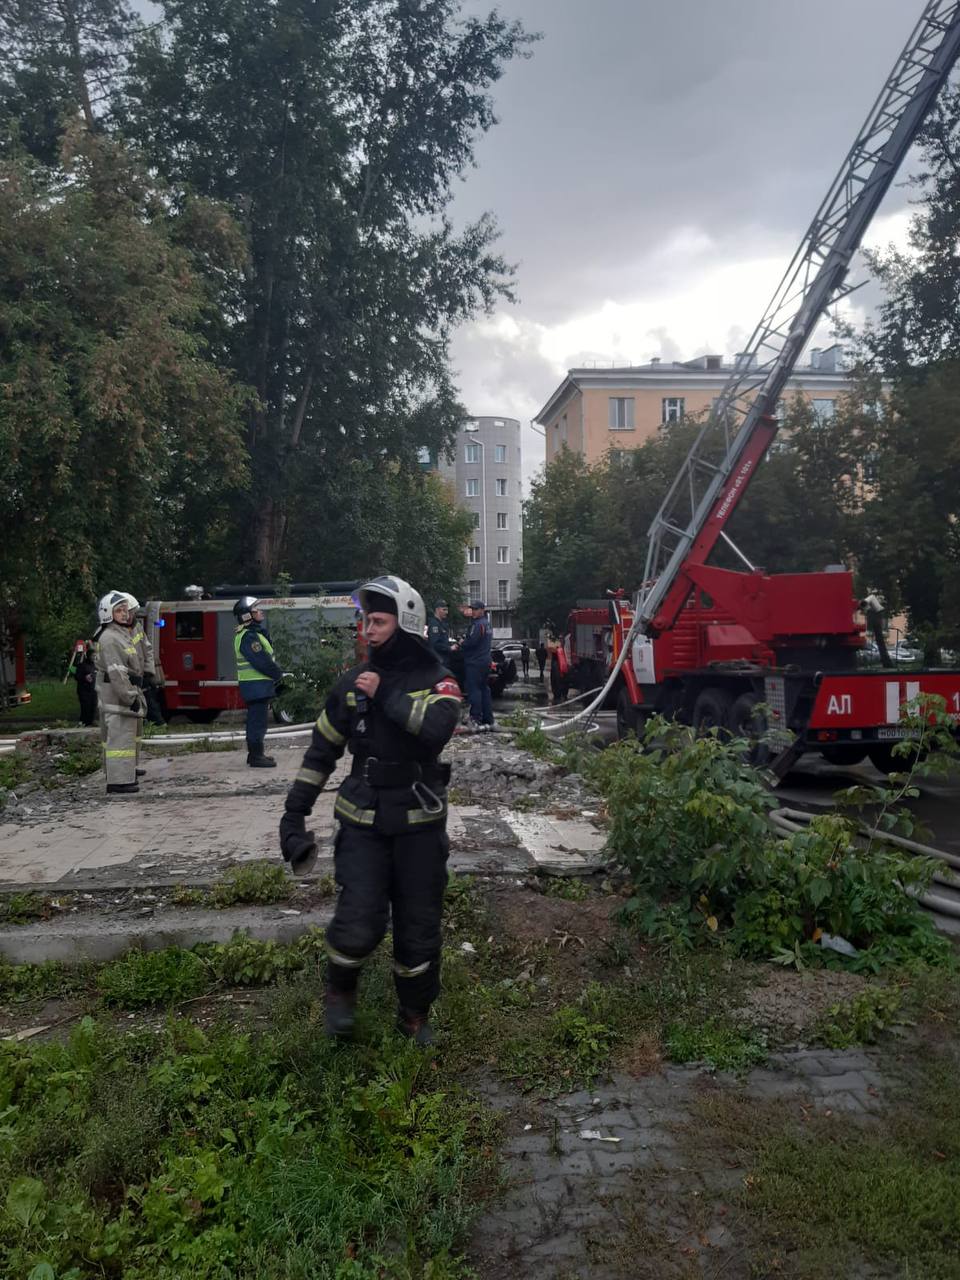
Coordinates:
72 29
269 528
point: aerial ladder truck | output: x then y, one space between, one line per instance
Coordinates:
708 645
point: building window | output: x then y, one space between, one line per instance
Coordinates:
423 456
501 488
671 409
473 555
473 588
501 519
871 466
473 488
476 519
620 413
503 555
824 409
499 453
471 453
503 592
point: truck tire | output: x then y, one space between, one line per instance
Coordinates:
746 722
844 755
280 714
628 721
206 715
882 758
712 711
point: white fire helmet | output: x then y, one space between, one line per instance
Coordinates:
408 603
111 601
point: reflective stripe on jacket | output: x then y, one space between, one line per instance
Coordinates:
257 670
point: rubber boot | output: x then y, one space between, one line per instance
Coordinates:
339 1013
415 1025
122 788
257 760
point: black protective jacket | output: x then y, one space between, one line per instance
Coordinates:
395 738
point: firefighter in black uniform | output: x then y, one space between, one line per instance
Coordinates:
396 713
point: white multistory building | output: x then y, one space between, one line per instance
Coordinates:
485 472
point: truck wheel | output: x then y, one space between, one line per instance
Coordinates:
749 723
711 711
882 758
627 719
281 715
844 755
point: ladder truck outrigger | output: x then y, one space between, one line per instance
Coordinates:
707 645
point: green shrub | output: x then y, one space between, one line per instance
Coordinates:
689 820
143 978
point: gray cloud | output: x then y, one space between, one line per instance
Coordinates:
639 125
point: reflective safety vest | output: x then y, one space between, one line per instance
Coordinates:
245 672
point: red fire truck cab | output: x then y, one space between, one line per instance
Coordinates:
194 647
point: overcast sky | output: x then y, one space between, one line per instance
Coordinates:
654 168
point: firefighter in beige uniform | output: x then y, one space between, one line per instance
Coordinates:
121 701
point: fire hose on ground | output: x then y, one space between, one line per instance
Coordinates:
789 821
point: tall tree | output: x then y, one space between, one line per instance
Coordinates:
118 435
60 61
334 130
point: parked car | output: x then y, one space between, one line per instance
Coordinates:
503 670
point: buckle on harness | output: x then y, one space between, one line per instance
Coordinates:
428 801
366 769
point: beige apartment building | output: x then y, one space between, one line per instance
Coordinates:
594 410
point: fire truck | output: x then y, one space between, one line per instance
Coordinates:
193 639
711 646
13 679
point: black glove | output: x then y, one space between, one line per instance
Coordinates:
149 679
297 844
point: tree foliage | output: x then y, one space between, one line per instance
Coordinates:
334 133
118 435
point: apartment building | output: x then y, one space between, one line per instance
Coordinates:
594 410
485 473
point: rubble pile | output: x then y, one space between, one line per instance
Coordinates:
488 769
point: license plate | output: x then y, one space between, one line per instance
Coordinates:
896 734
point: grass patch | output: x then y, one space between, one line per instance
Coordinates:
570 889
860 1020
824 1195
13 770
141 979
225 1153
50 701
22 908
78 759
719 1044
251 882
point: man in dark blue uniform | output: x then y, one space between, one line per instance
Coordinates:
396 713
438 633
258 676
476 663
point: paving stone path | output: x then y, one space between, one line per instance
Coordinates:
569 1208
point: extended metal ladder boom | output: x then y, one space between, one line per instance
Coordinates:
742 423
